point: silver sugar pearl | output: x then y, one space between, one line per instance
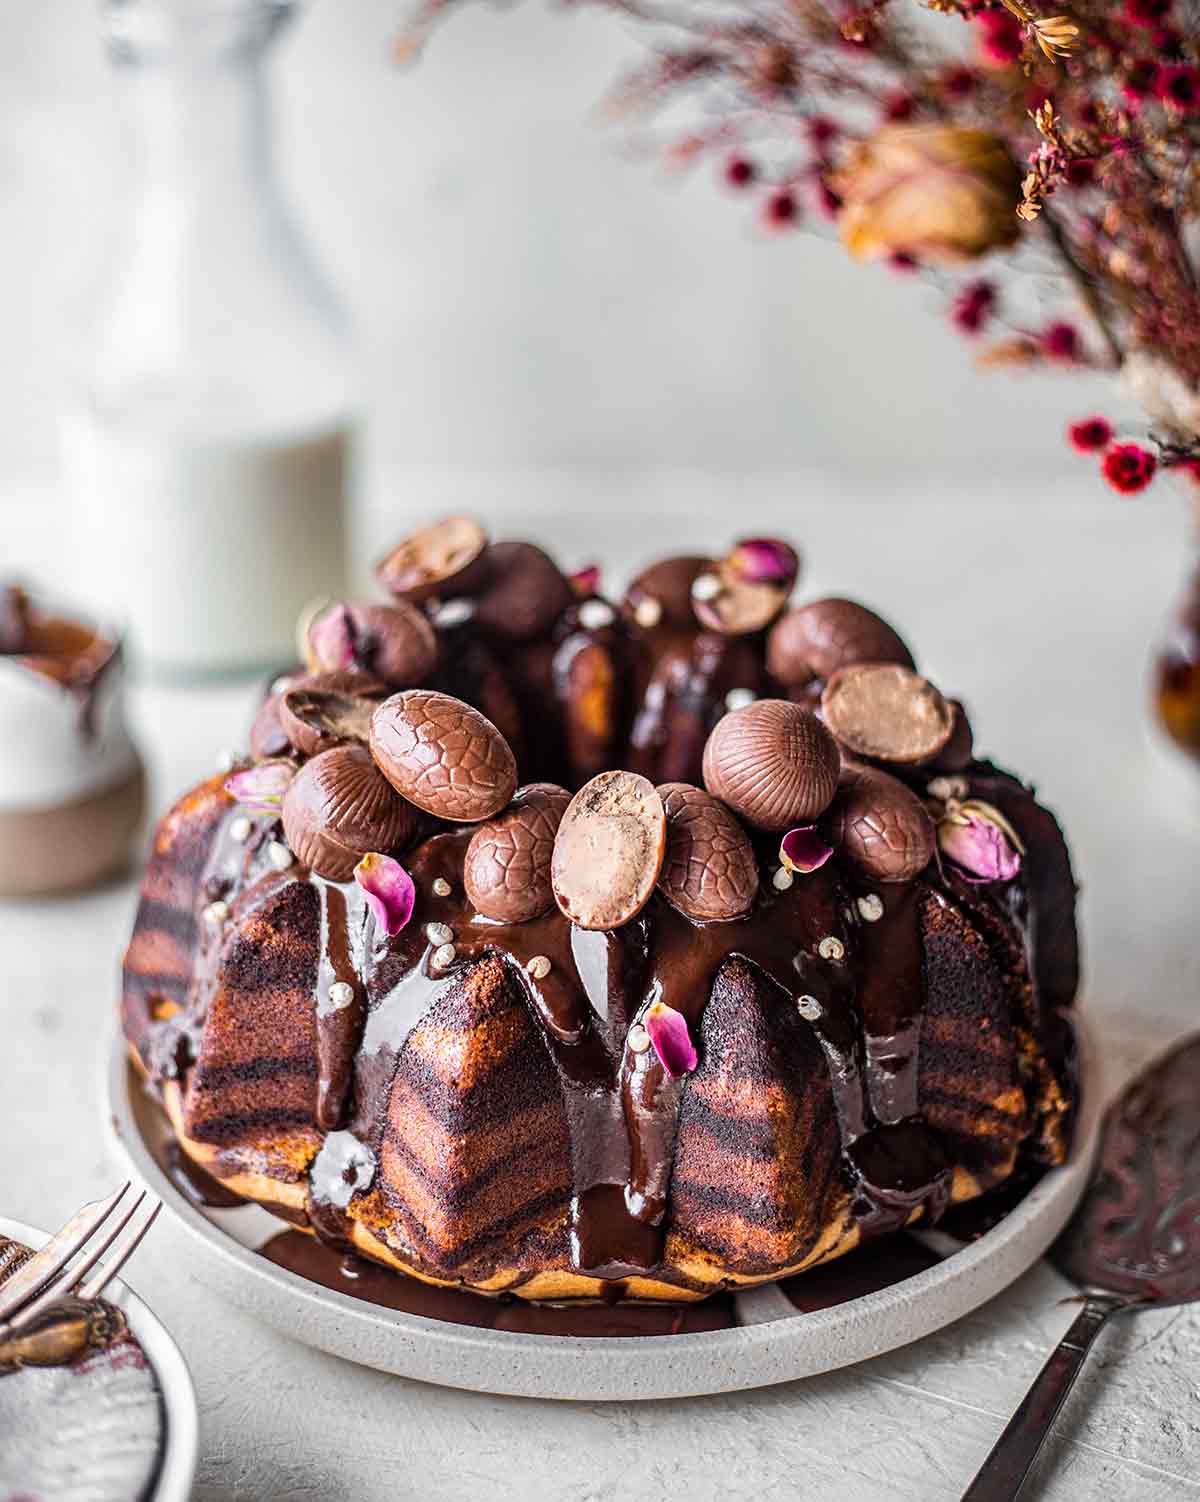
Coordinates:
808 1007
706 587
782 879
595 614
539 967
341 994
639 1038
648 612
279 855
739 698
240 829
439 933
441 887
216 912
831 948
870 907
443 957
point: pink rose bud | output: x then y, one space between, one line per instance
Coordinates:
331 641
803 850
765 560
981 842
585 582
672 1042
389 891
260 789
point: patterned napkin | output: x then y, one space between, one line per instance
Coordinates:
88 1432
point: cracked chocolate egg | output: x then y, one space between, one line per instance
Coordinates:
709 871
525 594
445 560
506 872
886 712
773 763
339 807
394 642
322 710
443 755
881 825
817 639
609 850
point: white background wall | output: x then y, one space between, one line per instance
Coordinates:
528 297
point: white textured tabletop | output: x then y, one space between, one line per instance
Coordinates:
1039 614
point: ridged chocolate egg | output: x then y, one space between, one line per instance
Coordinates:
881 825
443 755
817 639
338 807
773 763
506 872
709 870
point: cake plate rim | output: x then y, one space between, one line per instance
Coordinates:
767 1351
181 1425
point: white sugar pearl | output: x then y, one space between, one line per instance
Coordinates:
870 908
706 587
782 879
539 967
594 614
808 1007
444 957
216 912
831 948
240 829
279 855
639 1038
648 612
453 613
441 887
739 698
341 994
439 933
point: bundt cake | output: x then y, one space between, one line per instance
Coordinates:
568 949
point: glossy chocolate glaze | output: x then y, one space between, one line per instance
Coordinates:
1138 1229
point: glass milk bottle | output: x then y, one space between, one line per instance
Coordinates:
207 430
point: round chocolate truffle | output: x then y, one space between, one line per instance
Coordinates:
443 755
774 763
709 871
506 872
338 808
817 639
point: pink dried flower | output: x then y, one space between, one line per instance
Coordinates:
959 82
1090 435
739 172
260 789
585 582
901 262
388 889
821 130
780 211
973 307
1177 85
899 106
672 1042
764 560
1001 37
804 850
1060 341
981 842
1147 13
331 641
1128 467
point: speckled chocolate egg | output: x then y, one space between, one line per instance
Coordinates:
506 872
773 763
817 639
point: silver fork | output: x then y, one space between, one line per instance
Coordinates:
45 1279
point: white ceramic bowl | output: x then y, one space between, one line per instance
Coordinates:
773 1342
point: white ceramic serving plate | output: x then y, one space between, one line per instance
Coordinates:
773 1343
180 1426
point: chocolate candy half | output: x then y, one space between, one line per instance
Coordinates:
320 712
817 639
526 592
609 850
887 712
394 642
338 807
446 560
881 825
774 763
709 871
443 755
506 872
747 589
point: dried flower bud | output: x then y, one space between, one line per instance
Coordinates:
944 194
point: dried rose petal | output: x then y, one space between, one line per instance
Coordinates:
764 560
804 850
585 582
260 789
389 891
980 841
672 1042
331 641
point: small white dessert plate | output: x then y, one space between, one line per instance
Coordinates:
770 1340
176 1465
